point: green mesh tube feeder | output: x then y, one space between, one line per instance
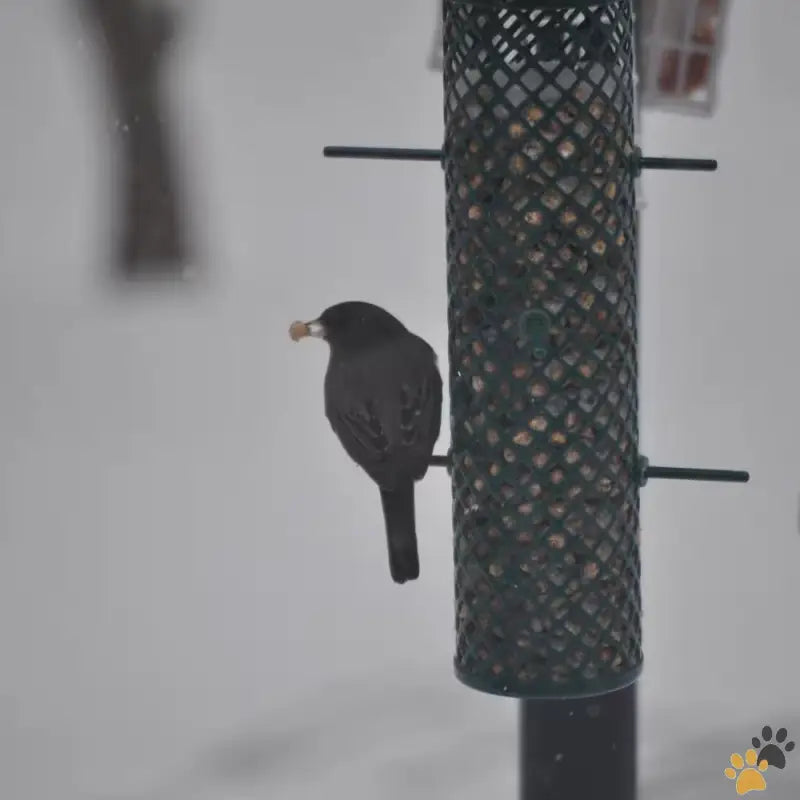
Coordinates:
542 312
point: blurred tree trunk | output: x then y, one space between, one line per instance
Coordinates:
136 34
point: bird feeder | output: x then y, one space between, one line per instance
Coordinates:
540 162
543 348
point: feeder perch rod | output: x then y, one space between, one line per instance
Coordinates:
686 164
424 154
386 153
649 472
681 473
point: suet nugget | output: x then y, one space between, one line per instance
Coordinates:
383 399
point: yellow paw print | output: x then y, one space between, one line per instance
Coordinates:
749 778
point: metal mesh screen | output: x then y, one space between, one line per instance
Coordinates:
543 348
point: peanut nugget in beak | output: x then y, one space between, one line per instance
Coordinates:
298 331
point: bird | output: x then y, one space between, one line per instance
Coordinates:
383 399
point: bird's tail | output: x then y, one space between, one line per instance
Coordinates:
401 532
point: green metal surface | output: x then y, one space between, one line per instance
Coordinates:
541 246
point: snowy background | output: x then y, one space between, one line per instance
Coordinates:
194 598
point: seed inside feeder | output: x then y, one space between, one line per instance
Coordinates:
534 114
539 389
495 570
552 200
533 218
566 148
572 456
517 164
569 217
557 541
523 438
597 109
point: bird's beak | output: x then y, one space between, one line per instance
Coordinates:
299 330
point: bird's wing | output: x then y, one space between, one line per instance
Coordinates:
421 417
388 422
362 434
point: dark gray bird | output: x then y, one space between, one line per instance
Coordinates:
383 398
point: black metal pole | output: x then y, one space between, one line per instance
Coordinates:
579 749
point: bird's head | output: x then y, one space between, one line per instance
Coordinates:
349 325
